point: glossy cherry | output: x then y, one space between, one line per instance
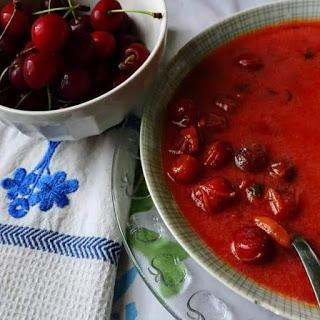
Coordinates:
217 154
105 44
20 23
40 69
134 57
123 41
75 84
81 23
252 158
101 78
282 204
16 76
214 194
187 142
183 113
214 122
251 244
102 21
80 50
119 77
50 33
184 169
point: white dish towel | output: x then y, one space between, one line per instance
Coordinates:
59 245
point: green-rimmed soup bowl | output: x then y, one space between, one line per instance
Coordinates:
150 143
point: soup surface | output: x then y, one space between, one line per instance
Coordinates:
241 152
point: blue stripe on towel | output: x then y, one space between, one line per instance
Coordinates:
49 241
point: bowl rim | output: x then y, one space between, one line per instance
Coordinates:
160 39
154 191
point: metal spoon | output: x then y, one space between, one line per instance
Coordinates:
310 262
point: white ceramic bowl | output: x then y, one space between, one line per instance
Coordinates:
96 115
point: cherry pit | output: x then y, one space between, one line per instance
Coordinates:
65 53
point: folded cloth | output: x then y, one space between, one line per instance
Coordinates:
59 244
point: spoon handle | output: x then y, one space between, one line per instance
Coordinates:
310 262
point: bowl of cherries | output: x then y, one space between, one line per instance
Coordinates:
71 69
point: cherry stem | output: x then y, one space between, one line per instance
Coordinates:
73 12
4 72
157 15
49 98
56 9
49 5
23 52
123 65
24 97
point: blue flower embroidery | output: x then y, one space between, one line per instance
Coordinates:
53 190
20 184
26 190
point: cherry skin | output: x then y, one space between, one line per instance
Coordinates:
105 44
123 41
184 169
252 158
36 101
119 77
16 76
134 57
101 78
251 244
187 142
20 23
40 69
75 84
50 33
7 49
183 113
217 154
214 194
102 21
82 24
80 50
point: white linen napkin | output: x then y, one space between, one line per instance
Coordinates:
59 244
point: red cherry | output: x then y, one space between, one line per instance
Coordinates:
123 41
105 44
213 195
217 154
213 121
20 23
50 33
41 68
119 77
102 21
226 103
75 84
101 78
134 57
82 24
16 76
183 113
80 50
251 159
184 169
282 204
187 142
251 244
249 62
7 49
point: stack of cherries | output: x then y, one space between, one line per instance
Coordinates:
61 55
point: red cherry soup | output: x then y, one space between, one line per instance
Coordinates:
249 116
